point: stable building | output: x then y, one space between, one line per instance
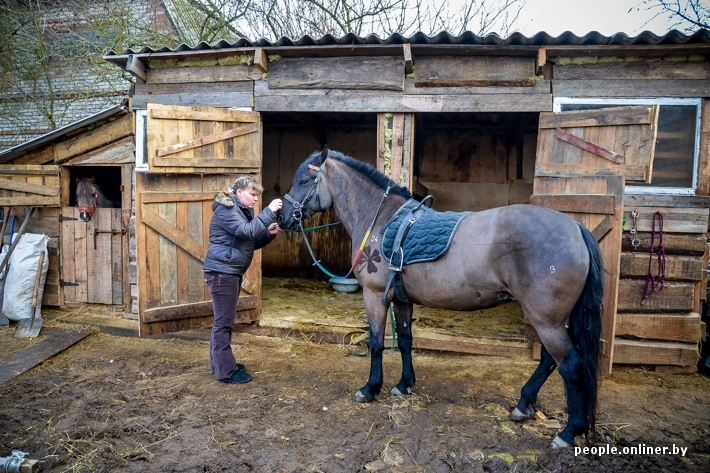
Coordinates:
612 130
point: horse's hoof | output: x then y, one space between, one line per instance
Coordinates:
517 415
396 392
559 444
360 397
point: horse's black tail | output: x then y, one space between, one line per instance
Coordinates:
585 325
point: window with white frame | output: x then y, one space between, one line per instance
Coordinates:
675 164
142 141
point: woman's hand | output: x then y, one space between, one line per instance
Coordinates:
274 228
276 205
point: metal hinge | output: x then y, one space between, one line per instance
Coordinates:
62 218
63 283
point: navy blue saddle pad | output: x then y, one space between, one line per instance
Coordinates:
429 237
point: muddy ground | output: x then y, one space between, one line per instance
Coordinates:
121 404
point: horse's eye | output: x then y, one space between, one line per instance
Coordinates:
304 181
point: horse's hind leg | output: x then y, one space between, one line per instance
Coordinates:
403 315
528 395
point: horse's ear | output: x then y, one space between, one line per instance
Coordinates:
78 180
93 180
323 155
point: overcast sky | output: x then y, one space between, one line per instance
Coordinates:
582 16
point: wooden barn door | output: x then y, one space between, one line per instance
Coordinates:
583 159
92 257
193 153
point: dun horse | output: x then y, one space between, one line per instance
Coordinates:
542 258
89 197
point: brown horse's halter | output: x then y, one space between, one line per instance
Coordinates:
91 210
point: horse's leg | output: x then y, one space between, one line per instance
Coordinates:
403 315
376 316
528 395
571 369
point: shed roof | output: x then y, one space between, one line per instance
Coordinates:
54 135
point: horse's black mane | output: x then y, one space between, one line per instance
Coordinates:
363 168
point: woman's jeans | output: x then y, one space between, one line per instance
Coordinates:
225 294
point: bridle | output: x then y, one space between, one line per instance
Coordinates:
298 214
300 207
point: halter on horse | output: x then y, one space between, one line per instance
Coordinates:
89 197
544 259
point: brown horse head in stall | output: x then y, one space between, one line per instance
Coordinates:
544 259
89 197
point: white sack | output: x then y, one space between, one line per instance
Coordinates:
20 279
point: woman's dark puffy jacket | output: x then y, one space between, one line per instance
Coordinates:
234 235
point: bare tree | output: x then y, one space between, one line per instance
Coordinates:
273 19
684 15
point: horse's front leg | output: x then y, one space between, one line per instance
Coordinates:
403 315
377 318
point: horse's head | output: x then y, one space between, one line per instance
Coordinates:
307 197
87 197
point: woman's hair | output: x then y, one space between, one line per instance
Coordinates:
246 182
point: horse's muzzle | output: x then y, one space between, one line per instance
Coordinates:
85 216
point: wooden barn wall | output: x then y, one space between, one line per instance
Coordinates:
283 152
665 329
472 171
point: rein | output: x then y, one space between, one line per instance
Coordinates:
299 208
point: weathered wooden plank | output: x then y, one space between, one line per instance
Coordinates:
90 140
204 140
664 327
674 201
631 88
188 311
440 70
675 220
33 201
56 341
636 352
204 74
168 251
117 262
23 186
121 151
164 228
153 197
677 268
538 86
67 253
243 166
81 241
202 114
643 70
373 73
597 204
632 115
588 146
28 169
325 100
676 297
631 172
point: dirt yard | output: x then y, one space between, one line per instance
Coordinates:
121 404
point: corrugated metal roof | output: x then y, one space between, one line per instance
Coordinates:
516 39
53 135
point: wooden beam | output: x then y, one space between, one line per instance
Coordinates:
225 115
632 115
209 139
541 60
663 327
179 238
638 352
590 203
164 197
136 67
408 61
192 310
593 148
22 186
261 60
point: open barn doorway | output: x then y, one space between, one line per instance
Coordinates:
466 161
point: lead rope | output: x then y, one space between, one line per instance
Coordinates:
12 463
656 283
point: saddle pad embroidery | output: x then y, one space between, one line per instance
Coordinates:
429 237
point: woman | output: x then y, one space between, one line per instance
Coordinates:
234 235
